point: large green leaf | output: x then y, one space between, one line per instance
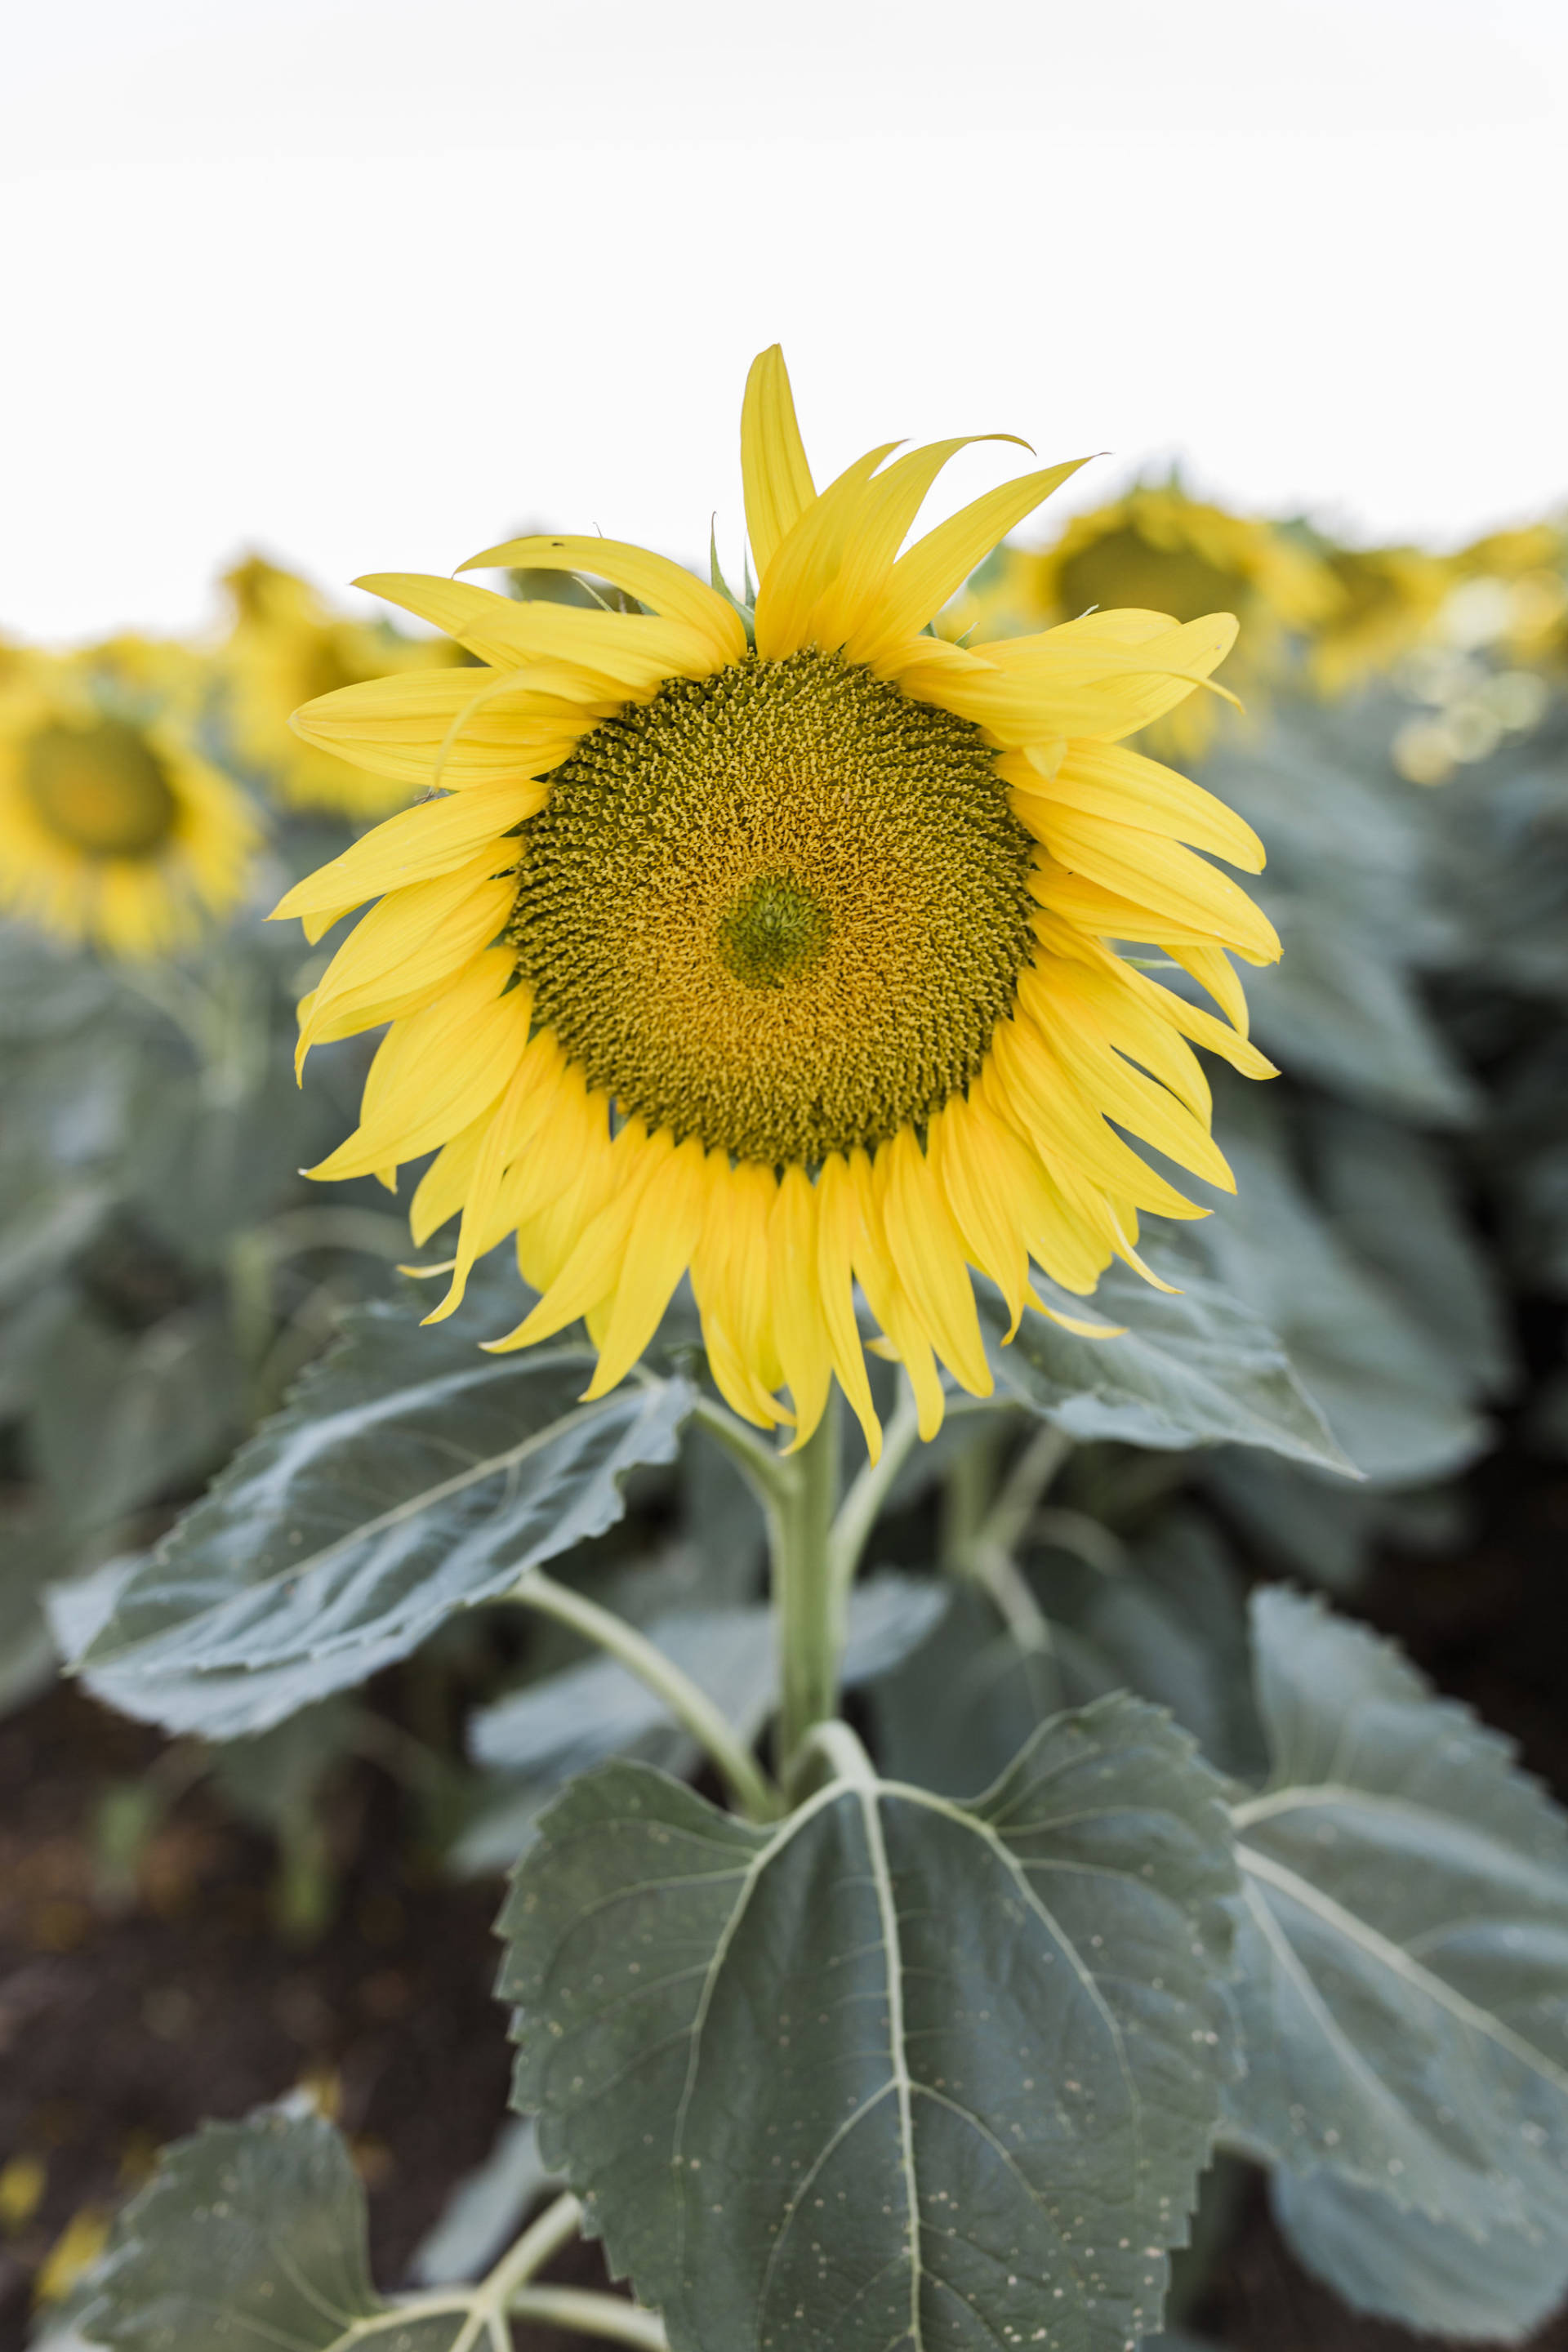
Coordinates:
252 2233
539 1736
893 2074
1402 1407
1351 886
119 1418
410 1476
1404 1944
1390 1194
1169 1626
1196 1368
1425 2275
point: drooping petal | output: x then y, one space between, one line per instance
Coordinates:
837 1224
928 1255
416 846
664 1233
632 648
799 1328
1122 787
435 1070
877 1277
666 588
460 721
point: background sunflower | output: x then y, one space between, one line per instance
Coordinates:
114 827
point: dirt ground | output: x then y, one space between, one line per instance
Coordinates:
127 2016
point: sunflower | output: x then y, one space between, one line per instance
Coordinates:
286 647
1512 596
1159 550
1389 602
112 826
771 945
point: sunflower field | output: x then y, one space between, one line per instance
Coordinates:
803 1337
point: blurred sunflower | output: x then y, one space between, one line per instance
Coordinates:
1161 551
1388 603
771 945
287 648
113 827
1511 595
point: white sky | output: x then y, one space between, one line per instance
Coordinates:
370 284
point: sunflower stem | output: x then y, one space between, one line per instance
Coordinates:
869 1491
586 2313
769 1474
690 1703
807 1602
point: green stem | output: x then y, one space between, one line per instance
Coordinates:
830 1752
809 1608
586 2314
1006 1522
687 1700
966 1491
770 1475
484 2308
862 1505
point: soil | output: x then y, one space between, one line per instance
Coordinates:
128 2014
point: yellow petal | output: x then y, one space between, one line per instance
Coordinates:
980 1200
1132 1020
407 947
927 1255
775 475
435 1070
400 726
664 1231
1159 874
1107 781
887 507
885 1296
666 588
837 1220
799 1328
1118 1089
634 647
1211 967
807 558
593 1267
1034 1089
739 1381
506 1130
937 566
413 846
444 1186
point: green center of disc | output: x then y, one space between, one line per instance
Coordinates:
101 788
781 908
775 932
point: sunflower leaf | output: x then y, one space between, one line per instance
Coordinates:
1404 1941
254 2231
894 2071
409 1476
1195 1369
1425 2275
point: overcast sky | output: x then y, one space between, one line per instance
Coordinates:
369 284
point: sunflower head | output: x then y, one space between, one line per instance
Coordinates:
1512 594
773 944
1388 601
1158 549
286 647
113 828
